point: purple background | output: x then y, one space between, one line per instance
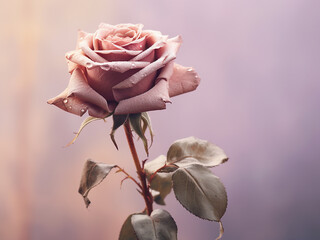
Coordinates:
258 100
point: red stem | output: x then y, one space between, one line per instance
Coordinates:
142 176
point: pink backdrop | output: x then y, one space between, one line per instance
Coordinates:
258 100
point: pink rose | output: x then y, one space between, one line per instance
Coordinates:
123 69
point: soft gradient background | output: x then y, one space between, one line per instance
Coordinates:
258 99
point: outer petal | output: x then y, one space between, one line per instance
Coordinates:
77 58
141 81
79 97
155 99
183 80
117 55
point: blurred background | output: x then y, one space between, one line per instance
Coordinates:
258 100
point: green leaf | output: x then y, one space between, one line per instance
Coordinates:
135 121
118 121
83 124
191 150
160 182
127 231
92 175
159 226
200 192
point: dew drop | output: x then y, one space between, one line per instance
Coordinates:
65 101
189 70
133 65
82 110
70 107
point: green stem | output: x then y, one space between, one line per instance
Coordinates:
142 176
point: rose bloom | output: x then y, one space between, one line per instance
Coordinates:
123 69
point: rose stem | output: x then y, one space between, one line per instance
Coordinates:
142 176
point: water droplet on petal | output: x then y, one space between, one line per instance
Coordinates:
89 65
190 69
83 110
141 45
65 101
70 107
133 65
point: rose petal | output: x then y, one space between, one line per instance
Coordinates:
121 66
171 48
138 44
154 99
117 55
141 81
166 72
86 45
81 36
148 51
183 80
79 87
79 97
78 58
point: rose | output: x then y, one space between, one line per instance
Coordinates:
123 69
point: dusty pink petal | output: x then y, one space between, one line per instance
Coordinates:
79 87
78 58
166 72
183 80
99 44
86 45
171 47
154 99
153 36
138 44
119 66
78 97
151 49
102 81
74 105
141 81
117 55
81 36
93 55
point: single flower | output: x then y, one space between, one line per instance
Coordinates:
123 69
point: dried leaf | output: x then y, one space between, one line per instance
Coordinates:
160 182
118 121
127 231
147 124
135 121
200 192
191 150
83 124
159 226
92 174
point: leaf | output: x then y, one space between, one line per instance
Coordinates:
191 150
118 121
159 226
92 174
160 182
135 121
83 124
147 124
127 231
200 192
